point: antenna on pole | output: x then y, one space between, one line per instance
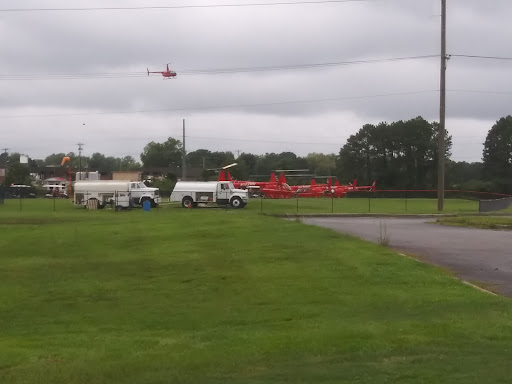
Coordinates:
80 149
5 152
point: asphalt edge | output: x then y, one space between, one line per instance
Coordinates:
379 215
382 215
455 277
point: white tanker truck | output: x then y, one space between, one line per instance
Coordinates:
193 193
120 193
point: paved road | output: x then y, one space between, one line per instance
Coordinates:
472 254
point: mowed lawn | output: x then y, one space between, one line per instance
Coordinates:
361 205
216 296
484 222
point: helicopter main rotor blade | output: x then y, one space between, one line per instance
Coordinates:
229 166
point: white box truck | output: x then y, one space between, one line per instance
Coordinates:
191 193
121 193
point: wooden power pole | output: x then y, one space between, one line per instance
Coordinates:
442 113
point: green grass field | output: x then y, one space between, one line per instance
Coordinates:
291 206
216 296
478 222
362 205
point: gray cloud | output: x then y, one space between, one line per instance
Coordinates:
130 41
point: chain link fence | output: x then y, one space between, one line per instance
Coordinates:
387 202
376 202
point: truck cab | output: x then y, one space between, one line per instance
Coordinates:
140 192
190 194
228 194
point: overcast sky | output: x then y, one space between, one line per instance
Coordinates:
49 101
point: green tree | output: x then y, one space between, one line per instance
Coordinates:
128 163
250 161
162 154
103 164
271 162
497 154
200 158
321 164
55 159
466 176
401 155
17 173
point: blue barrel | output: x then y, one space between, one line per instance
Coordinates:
146 205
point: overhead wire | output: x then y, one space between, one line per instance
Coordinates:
280 103
212 71
261 141
215 71
171 7
270 104
482 57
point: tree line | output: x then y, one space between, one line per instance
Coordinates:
397 155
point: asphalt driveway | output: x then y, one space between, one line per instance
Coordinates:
475 255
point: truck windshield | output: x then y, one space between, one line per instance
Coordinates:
142 185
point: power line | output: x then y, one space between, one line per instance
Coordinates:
251 105
481 92
170 7
225 106
262 141
483 57
214 71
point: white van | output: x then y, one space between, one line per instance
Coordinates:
191 193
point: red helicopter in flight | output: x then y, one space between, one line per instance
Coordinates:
169 74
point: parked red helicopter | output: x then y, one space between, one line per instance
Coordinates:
313 190
273 189
166 74
280 189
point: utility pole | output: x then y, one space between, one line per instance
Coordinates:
442 113
183 157
80 145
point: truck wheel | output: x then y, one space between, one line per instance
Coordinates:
236 202
187 202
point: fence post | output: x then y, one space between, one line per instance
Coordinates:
297 205
406 202
332 202
369 204
261 203
53 205
20 203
